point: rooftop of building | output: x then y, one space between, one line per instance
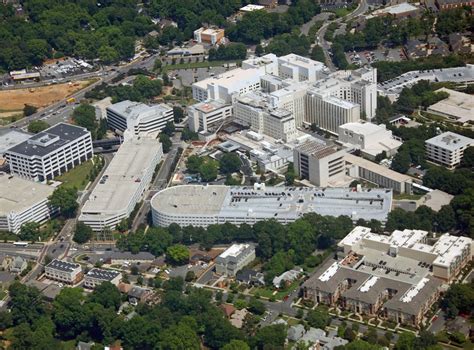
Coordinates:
286 203
49 140
63 265
363 128
121 179
209 30
231 78
450 141
301 61
316 149
17 194
12 137
251 7
102 274
379 169
235 250
458 105
209 106
139 110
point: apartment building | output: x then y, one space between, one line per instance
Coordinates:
50 153
123 183
96 277
23 201
211 36
318 163
395 277
234 259
138 117
447 149
63 271
204 115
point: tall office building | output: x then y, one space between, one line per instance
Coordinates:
50 153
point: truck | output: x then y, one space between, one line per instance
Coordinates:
71 100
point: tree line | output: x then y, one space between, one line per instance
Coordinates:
80 28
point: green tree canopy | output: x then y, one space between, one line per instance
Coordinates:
37 126
177 254
229 163
83 233
65 199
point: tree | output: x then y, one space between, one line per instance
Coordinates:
107 295
236 345
256 306
229 163
178 114
259 50
30 231
29 110
271 337
445 218
65 199
83 233
401 162
84 115
165 142
468 158
177 254
169 128
37 126
208 171
180 336
317 319
190 276
193 163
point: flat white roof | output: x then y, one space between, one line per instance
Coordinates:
251 7
363 128
450 141
300 61
231 79
122 177
137 111
17 194
397 9
458 105
234 250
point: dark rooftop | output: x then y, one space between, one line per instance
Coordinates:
105 275
62 265
49 140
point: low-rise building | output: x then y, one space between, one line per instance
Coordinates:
139 295
202 206
398 11
396 277
458 106
18 265
358 167
138 117
96 276
212 36
318 163
370 139
234 259
63 271
50 153
23 201
447 148
117 258
444 5
123 183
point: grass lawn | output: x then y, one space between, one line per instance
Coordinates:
193 65
267 292
77 177
2 294
408 196
69 345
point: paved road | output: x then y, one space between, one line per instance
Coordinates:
160 182
326 46
60 111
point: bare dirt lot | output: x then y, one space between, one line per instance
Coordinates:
14 100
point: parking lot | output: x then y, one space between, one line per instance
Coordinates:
362 58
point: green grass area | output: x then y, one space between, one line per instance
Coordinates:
69 345
408 196
77 177
193 65
3 293
267 292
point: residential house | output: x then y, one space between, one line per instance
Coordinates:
250 277
18 265
228 309
286 277
139 295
